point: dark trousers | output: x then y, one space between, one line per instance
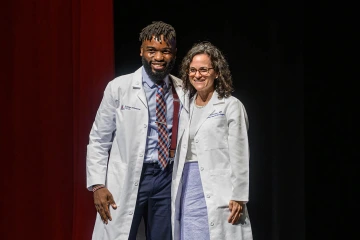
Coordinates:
154 203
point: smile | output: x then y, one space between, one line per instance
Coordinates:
198 80
158 65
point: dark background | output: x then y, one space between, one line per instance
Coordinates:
58 56
263 43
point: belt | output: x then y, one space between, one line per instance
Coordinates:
156 164
171 158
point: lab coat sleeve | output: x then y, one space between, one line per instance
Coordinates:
238 150
101 138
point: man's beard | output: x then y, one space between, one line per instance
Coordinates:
157 76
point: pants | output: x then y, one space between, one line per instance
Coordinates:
154 203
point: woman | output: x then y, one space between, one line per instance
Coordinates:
210 185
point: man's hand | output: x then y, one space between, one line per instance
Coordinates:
236 208
102 199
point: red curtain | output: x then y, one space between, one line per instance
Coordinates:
57 57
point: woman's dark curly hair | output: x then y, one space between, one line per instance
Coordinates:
223 83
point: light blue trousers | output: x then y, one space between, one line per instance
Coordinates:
194 218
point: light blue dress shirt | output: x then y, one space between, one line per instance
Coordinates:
151 150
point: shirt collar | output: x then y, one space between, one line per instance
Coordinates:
150 83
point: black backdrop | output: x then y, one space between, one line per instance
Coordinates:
263 44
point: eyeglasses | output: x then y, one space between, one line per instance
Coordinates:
204 71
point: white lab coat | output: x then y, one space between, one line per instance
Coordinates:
120 126
223 156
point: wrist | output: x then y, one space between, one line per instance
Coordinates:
97 187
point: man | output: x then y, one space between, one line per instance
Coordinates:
129 161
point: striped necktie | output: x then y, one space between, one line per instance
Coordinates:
163 136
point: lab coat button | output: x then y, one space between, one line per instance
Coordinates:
201 168
141 155
212 224
130 213
136 183
144 125
208 195
197 140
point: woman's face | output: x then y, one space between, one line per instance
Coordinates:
201 73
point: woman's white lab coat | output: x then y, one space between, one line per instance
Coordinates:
223 157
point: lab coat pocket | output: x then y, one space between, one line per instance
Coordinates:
216 133
220 180
217 120
115 179
116 167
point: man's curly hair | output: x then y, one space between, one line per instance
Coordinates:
158 28
223 83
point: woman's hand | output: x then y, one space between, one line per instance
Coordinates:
236 208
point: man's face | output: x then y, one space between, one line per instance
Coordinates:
158 58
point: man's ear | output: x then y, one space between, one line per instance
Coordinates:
141 51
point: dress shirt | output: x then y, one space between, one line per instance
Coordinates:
151 153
